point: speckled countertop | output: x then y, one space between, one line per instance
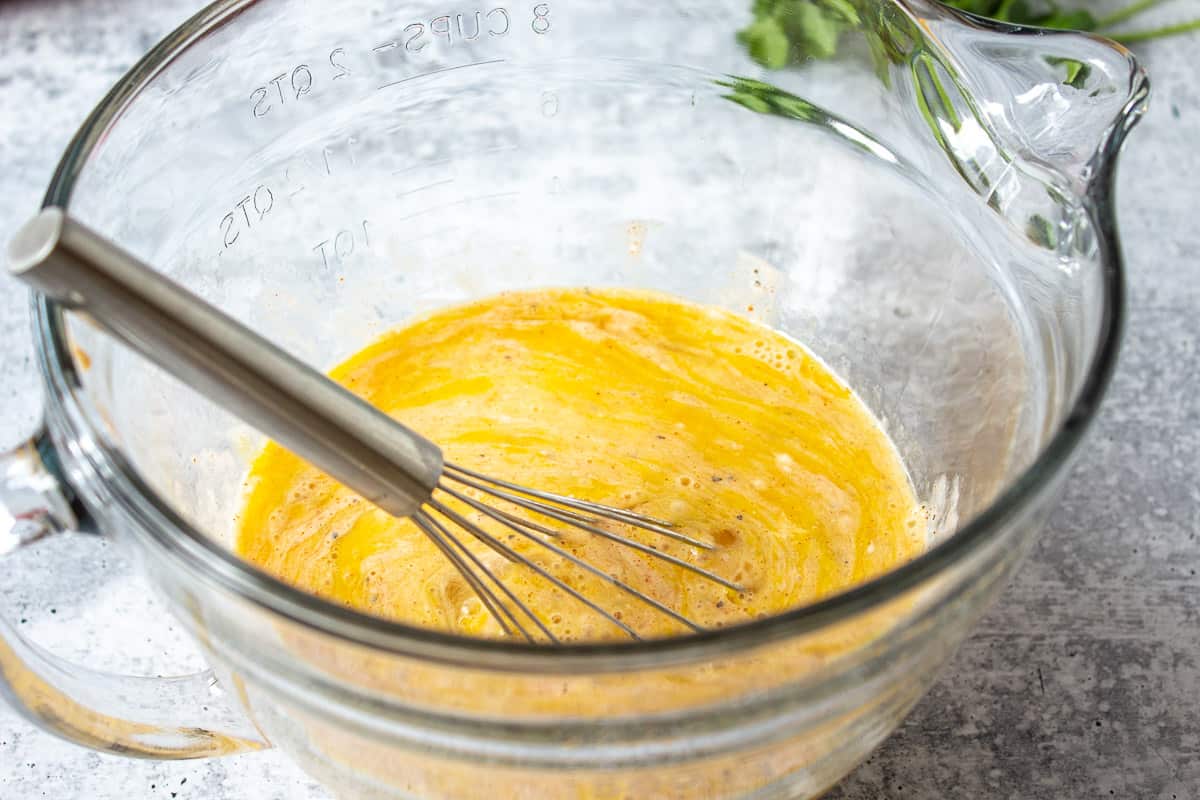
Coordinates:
1083 682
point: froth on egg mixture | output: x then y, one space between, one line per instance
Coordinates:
730 431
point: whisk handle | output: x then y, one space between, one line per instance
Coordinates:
352 441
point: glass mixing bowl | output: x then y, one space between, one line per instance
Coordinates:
929 211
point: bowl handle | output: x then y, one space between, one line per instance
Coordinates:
163 718
1060 99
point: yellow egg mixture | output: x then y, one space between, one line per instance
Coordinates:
728 430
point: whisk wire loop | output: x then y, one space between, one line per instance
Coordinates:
448 534
513 555
526 528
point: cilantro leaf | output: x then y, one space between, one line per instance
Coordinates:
767 42
791 31
1077 71
788 32
814 31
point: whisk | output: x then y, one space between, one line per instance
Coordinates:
363 448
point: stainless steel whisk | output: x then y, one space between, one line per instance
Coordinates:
388 464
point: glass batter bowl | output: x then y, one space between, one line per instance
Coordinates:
930 212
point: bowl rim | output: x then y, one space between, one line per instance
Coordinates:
217 565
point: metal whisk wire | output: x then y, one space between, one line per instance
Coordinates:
390 465
563 509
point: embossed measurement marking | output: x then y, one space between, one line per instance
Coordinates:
344 242
427 73
262 200
464 201
441 162
427 186
500 148
435 39
417 42
497 22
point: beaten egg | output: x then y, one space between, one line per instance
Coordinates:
731 432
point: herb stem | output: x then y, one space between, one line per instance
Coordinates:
1157 33
1129 11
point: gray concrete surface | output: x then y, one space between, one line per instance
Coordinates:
1083 682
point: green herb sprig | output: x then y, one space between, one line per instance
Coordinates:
792 31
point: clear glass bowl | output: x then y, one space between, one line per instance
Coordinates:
930 212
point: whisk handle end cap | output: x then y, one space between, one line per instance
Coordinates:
35 242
